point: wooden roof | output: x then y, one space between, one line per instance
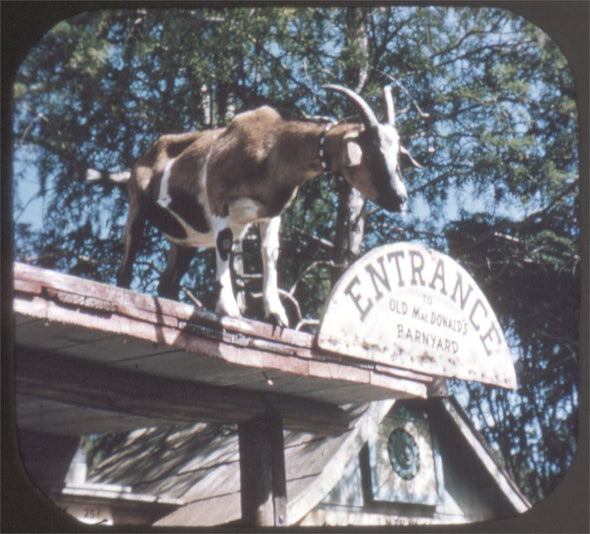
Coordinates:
95 358
199 466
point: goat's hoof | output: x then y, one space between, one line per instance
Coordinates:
229 313
276 320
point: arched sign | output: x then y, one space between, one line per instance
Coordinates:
411 307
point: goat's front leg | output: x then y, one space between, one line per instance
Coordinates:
226 302
269 237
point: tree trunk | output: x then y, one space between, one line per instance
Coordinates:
350 223
350 227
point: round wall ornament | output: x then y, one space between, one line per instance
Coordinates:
404 454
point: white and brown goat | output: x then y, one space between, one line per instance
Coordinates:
205 188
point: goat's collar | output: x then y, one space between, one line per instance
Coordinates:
324 159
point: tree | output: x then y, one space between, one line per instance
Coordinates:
485 100
350 222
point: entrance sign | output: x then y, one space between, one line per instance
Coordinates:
415 308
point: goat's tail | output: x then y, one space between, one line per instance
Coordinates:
104 177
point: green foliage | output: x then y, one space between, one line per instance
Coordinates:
499 188
531 276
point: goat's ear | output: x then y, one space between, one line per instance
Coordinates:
352 153
408 157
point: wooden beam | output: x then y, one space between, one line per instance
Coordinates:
108 387
262 472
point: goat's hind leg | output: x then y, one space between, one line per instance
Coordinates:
179 259
269 237
133 238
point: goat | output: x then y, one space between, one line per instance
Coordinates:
205 188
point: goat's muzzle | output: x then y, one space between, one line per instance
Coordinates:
389 190
395 204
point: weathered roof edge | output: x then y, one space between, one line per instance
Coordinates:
483 451
239 342
334 469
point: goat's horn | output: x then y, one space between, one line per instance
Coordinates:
387 93
369 116
406 152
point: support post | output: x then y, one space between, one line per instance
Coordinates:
262 471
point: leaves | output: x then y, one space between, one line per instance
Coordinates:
499 188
